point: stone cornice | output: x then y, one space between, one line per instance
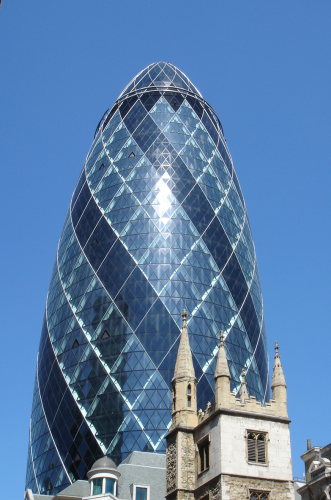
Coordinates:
179 428
242 413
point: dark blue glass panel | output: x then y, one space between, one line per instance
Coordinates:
135 116
149 99
62 413
137 295
210 127
225 156
154 71
116 268
109 116
261 361
99 243
249 317
235 280
218 243
236 183
198 209
158 332
204 392
166 367
146 133
174 99
169 72
182 178
127 105
87 222
144 82
81 203
195 105
79 186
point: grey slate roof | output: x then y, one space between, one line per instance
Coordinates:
145 459
42 497
143 469
77 489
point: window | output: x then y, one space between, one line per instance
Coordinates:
109 487
174 399
97 486
102 166
141 493
259 495
257 447
75 344
203 450
189 396
132 155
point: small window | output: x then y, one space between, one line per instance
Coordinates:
203 450
259 495
97 486
109 487
256 447
75 344
141 493
105 335
132 155
95 242
189 396
174 399
102 166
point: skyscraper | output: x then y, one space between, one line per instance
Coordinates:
157 222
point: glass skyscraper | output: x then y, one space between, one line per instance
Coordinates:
157 222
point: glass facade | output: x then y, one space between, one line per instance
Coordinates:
157 222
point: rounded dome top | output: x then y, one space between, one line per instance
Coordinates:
104 463
158 75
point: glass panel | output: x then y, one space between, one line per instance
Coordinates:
109 485
141 493
97 486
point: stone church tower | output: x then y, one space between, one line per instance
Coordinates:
236 449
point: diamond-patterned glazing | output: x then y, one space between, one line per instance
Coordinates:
157 222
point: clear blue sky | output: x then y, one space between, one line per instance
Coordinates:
265 69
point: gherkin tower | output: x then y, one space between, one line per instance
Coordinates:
157 222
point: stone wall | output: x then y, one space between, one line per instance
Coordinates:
238 488
187 461
171 463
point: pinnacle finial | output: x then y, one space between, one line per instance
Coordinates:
278 378
222 368
221 338
184 316
184 361
243 391
276 349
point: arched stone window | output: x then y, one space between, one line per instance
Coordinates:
257 447
189 396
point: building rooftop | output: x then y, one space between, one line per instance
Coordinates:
104 463
78 489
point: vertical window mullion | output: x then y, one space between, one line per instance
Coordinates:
255 437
